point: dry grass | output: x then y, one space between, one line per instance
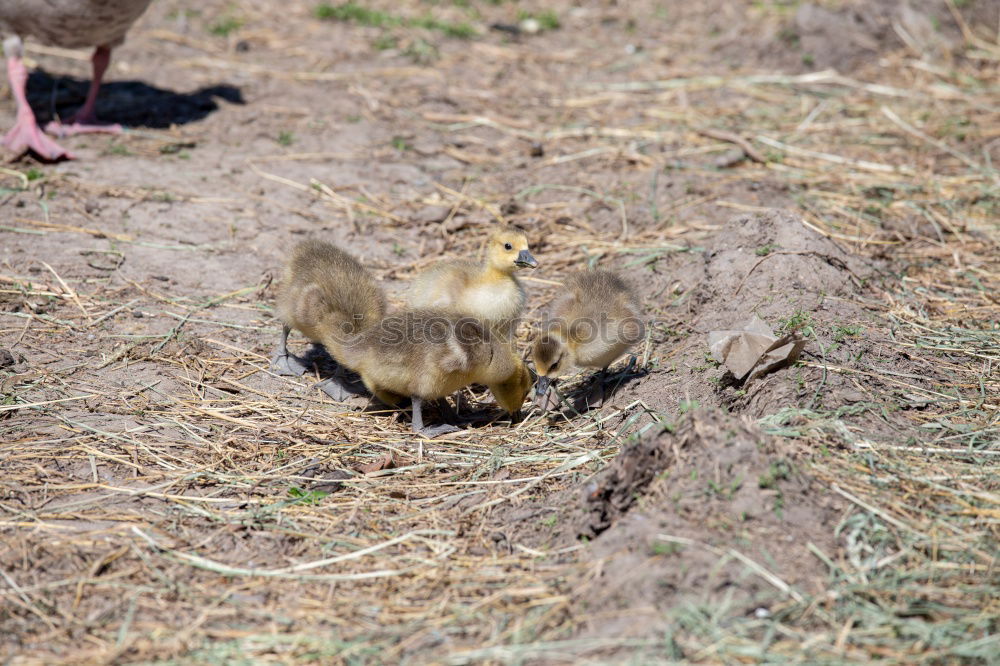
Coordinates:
163 498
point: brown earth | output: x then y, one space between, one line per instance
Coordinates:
165 498
720 494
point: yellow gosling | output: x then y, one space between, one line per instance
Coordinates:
594 321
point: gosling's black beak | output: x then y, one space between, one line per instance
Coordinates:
542 385
525 260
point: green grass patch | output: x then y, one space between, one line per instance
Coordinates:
547 19
355 13
225 26
306 496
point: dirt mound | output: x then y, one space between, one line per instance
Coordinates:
842 38
714 512
773 266
767 264
770 264
852 35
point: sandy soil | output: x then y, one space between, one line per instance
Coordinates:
164 497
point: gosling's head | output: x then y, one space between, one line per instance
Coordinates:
551 361
508 251
511 392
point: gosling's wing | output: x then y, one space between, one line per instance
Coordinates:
327 294
441 285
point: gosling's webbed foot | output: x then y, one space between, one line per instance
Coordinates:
333 388
288 365
431 432
428 431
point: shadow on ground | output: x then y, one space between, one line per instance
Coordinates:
131 103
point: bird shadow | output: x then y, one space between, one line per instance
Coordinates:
581 399
130 103
318 358
480 415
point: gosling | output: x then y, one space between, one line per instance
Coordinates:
487 291
595 321
427 355
327 296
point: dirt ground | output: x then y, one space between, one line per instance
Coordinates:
829 167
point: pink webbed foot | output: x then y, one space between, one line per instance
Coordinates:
91 126
25 136
84 121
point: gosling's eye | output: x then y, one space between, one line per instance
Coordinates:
508 246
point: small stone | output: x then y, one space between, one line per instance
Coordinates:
510 207
852 395
530 26
730 158
6 358
431 214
